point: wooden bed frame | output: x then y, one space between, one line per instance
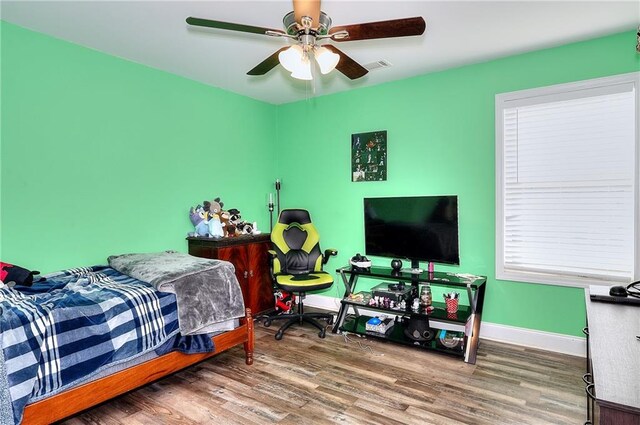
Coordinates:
92 393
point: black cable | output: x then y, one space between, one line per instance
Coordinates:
633 289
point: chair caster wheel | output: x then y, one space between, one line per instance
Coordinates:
267 323
278 336
321 334
330 320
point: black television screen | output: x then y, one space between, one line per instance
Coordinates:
419 228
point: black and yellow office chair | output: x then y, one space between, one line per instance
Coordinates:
296 266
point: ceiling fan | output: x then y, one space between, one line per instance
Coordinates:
307 26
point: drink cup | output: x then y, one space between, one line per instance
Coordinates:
452 305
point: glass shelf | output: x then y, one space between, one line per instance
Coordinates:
439 313
396 334
437 278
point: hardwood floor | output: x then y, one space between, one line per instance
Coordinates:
307 380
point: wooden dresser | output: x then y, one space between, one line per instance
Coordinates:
248 254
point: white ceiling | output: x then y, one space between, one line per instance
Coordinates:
154 33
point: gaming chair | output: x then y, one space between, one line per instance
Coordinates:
296 266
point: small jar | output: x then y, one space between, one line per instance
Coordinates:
426 299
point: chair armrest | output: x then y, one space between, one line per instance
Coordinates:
327 254
272 256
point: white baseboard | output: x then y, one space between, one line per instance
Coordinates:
550 341
559 343
320 301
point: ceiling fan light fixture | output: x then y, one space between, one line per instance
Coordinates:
307 25
327 60
303 70
291 58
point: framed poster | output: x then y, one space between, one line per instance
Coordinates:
369 156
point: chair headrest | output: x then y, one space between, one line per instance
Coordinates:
294 216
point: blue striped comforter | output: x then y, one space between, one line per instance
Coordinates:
79 321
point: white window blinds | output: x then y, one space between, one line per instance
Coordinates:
567 183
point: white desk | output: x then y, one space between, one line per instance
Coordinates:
615 359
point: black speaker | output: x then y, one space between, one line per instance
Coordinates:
396 264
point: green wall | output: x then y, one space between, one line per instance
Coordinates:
440 141
103 156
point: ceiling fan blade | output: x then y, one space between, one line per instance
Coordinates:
383 29
346 65
199 22
268 64
310 8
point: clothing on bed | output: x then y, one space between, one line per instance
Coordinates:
207 290
60 332
12 275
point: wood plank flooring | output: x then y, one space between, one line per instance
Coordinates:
307 380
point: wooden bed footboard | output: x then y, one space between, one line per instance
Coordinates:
87 395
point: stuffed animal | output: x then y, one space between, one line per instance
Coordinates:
284 301
234 216
198 217
245 228
210 219
214 207
213 210
215 227
194 216
229 229
235 221
242 227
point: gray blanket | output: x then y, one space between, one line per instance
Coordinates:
207 291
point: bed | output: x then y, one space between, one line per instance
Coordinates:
87 335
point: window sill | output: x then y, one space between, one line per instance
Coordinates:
555 279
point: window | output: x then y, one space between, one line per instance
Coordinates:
567 183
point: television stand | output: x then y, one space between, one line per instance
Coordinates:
462 328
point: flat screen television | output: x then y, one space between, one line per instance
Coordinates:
418 228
